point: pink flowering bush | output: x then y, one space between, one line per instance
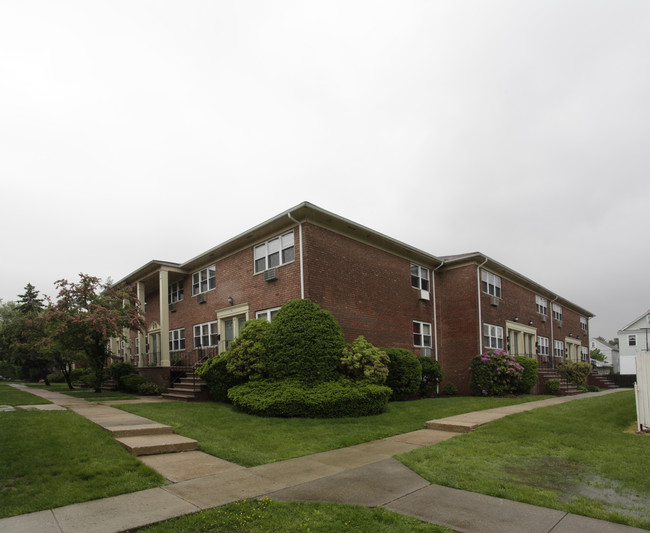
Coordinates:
495 373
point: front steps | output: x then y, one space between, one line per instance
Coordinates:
601 381
150 439
190 388
547 374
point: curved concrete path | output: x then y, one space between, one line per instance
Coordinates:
365 474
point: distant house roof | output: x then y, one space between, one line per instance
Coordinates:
635 320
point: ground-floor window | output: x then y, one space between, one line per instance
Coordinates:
493 336
585 353
542 345
205 335
177 340
267 314
421 334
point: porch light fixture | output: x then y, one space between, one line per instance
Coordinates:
570 334
517 319
530 322
230 300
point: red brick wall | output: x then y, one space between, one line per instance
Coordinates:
368 290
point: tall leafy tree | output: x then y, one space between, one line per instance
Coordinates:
87 314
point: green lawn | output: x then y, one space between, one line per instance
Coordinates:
267 516
249 440
54 458
11 396
575 457
86 394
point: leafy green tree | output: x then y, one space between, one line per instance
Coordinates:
87 314
597 355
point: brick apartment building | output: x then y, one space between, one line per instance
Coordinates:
450 308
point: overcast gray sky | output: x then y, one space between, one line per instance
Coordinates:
138 130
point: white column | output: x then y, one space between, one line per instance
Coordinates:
164 318
140 293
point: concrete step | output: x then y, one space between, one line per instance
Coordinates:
157 444
136 430
181 396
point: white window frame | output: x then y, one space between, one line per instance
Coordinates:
420 277
275 252
631 339
175 292
490 283
557 312
137 345
541 304
206 329
584 353
177 340
492 337
583 323
558 349
542 345
204 280
422 334
267 314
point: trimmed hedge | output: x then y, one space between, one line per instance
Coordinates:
361 361
248 351
575 372
304 342
131 382
404 373
432 375
294 398
553 386
119 369
529 377
215 373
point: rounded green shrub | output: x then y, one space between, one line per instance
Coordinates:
450 389
575 372
432 375
494 373
119 369
56 378
529 376
592 388
304 342
553 386
361 361
295 398
248 351
150 389
131 382
404 373
215 373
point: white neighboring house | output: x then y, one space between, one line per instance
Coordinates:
631 339
610 351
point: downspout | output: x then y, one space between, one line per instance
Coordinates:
551 348
435 320
302 274
480 315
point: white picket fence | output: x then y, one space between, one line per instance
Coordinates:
642 390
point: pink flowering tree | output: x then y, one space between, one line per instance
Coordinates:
87 314
495 373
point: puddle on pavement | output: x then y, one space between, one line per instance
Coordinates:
572 482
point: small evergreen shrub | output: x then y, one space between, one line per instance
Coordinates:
450 389
304 342
553 386
215 373
150 389
495 373
247 358
404 373
361 361
76 373
56 378
432 375
119 369
131 382
592 388
575 372
529 377
295 398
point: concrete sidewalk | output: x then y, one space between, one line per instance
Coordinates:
365 474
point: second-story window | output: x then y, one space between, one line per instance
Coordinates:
557 312
419 277
490 283
583 323
631 340
175 292
204 280
542 305
274 252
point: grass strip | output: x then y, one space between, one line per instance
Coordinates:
574 457
11 396
268 516
55 458
250 440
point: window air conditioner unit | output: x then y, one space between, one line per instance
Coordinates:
543 318
426 352
495 301
201 298
172 308
424 295
559 323
271 274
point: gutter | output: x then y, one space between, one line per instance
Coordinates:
302 273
